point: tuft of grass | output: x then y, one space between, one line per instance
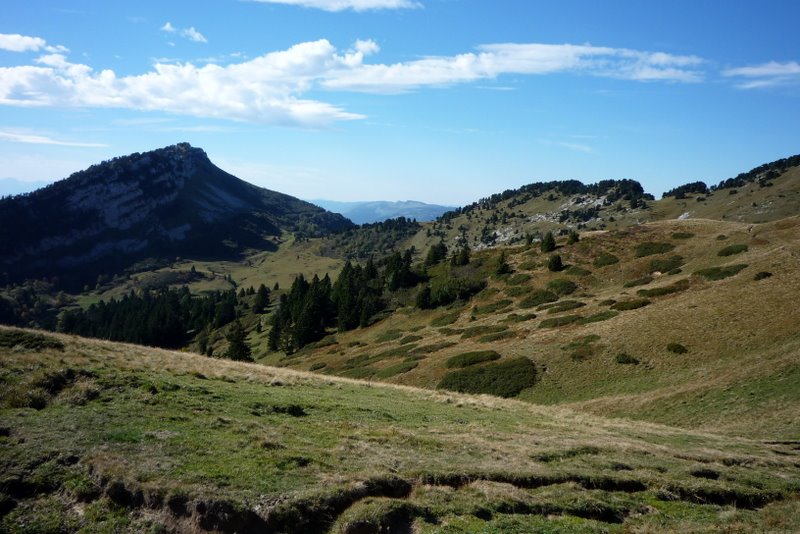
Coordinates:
761 275
316 366
504 379
537 298
577 271
730 250
719 273
632 304
649 248
555 456
467 359
605 260
518 279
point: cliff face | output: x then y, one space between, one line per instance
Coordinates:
168 202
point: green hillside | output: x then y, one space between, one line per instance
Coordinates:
104 437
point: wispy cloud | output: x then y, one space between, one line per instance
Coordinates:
341 5
269 89
44 140
189 33
14 42
768 74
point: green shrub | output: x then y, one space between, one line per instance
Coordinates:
516 318
475 331
554 263
497 336
597 317
518 291
467 359
577 271
28 340
396 369
626 359
607 302
504 379
529 265
491 308
677 348
648 248
718 273
761 275
409 339
317 366
564 305
730 250
674 272
722 237
682 235
434 347
538 297
562 286
517 279
630 304
389 335
604 260
677 287
638 282
446 319
560 321
664 265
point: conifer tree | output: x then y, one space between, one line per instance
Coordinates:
238 349
548 242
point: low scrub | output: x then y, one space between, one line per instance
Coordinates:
389 335
518 291
410 339
677 348
446 319
682 235
503 379
633 304
563 306
648 248
434 347
677 287
517 279
490 338
604 260
397 369
719 273
537 298
626 359
730 250
638 281
317 366
577 271
761 275
517 318
475 331
597 317
560 321
562 286
492 307
665 265
468 359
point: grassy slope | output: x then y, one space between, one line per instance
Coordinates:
740 373
137 439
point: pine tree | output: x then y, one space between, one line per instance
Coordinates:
554 263
238 349
261 300
548 242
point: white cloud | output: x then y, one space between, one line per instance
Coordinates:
190 33
14 42
44 140
269 89
765 75
341 5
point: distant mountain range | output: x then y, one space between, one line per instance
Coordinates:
381 210
165 203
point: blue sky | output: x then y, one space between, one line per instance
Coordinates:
442 101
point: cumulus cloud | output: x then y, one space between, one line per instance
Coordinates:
269 89
44 140
341 5
768 74
14 42
190 33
